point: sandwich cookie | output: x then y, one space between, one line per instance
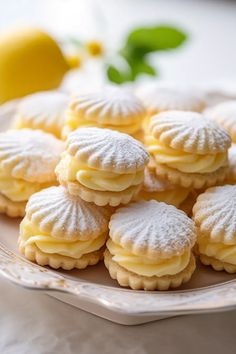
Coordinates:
102 166
112 108
188 149
27 162
63 231
215 217
150 246
44 111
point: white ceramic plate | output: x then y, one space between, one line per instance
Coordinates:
93 290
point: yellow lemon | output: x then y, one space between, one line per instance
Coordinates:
30 61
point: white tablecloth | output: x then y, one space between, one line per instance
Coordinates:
34 323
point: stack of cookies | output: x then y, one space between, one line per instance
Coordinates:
67 226
101 193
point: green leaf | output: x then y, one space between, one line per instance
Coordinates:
135 68
139 44
117 76
146 40
140 66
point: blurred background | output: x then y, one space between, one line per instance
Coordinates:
207 56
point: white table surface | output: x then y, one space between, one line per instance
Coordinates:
34 323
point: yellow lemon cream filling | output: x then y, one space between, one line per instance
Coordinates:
18 190
97 179
73 122
173 196
184 161
31 235
145 266
217 250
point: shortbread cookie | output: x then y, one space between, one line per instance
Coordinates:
215 217
192 180
158 98
161 97
161 190
10 208
189 147
150 246
27 162
102 166
224 114
63 231
44 111
112 108
138 282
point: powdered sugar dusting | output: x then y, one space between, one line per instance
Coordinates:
112 105
31 155
190 132
153 183
43 109
152 227
54 210
225 115
215 213
107 149
157 98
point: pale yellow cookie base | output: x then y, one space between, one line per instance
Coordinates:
217 265
10 208
56 261
139 282
191 180
101 198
